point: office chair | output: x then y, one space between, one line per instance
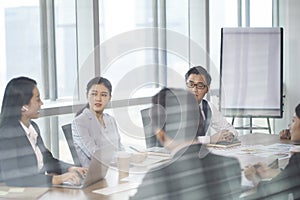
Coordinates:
67 129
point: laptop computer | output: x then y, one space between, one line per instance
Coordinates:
150 136
152 144
97 169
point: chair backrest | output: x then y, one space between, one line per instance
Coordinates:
67 129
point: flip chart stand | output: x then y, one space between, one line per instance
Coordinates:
251 127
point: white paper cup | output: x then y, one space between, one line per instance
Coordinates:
123 163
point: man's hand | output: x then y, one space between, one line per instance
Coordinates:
222 136
285 134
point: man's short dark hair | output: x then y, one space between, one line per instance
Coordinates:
199 70
176 111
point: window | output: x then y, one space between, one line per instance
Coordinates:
177 41
222 14
261 13
128 58
124 49
136 53
144 45
20 44
65 47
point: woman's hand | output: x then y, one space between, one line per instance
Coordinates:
66 177
79 170
265 172
259 171
262 170
251 174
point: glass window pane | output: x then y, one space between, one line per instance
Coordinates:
177 24
20 43
123 40
117 16
222 14
177 16
66 48
128 58
261 13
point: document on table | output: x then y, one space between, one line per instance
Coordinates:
22 193
152 160
252 154
117 188
278 150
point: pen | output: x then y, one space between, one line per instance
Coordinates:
135 149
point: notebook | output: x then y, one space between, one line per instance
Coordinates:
97 169
223 144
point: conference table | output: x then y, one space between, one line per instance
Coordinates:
87 193
263 139
112 179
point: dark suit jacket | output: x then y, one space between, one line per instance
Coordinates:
187 176
285 184
18 162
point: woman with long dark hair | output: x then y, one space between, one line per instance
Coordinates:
24 159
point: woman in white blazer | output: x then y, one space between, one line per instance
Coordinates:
93 129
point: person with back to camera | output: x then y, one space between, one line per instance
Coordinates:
283 183
192 172
198 82
92 128
24 159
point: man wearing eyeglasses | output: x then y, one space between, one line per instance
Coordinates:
198 82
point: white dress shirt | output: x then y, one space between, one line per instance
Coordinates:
217 124
32 137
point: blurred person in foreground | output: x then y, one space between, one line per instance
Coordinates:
276 183
24 159
192 172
